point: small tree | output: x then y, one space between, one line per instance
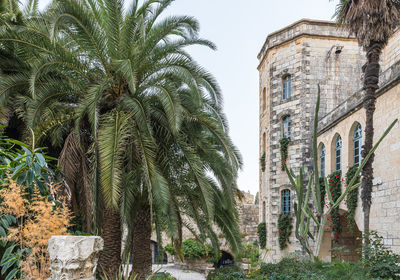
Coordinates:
322 210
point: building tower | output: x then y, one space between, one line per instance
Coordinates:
292 62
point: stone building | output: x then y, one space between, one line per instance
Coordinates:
292 63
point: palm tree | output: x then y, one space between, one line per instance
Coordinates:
372 22
138 112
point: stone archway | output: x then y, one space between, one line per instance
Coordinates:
348 246
225 260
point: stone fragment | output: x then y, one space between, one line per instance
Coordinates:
74 257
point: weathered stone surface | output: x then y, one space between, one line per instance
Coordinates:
74 257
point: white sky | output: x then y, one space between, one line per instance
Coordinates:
239 29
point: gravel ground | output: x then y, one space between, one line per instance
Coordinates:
179 274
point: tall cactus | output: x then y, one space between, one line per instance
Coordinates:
303 212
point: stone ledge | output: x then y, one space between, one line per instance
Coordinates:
299 28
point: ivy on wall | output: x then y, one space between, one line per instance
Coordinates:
352 197
335 188
262 162
323 192
285 229
284 151
262 234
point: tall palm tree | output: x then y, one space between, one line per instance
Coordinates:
138 112
372 22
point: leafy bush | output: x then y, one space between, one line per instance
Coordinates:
191 249
167 276
251 252
295 269
262 234
28 166
381 261
169 249
226 273
289 267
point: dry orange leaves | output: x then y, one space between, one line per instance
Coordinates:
38 220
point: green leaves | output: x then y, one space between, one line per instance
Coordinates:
151 114
27 167
115 132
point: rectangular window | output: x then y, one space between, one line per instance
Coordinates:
287 87
285 202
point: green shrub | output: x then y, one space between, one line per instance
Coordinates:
251 252
294 269
381 261
164 276
288 267
262 234
169 249
227 273
193 249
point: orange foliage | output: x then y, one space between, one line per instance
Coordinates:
38 220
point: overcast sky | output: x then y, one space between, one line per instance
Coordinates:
239 29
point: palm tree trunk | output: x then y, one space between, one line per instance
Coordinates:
110 258
371 80
141 235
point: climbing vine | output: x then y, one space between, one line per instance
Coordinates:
335 188
284 151
285 229
352 197
262 234
323 192
262 162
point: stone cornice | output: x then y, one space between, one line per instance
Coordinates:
304 27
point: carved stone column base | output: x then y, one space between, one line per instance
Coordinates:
74 257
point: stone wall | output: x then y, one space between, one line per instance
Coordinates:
249 220
391 52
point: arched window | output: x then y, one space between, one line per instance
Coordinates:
285 202
357 144
286 123
264 99
287 86
338 153
322 160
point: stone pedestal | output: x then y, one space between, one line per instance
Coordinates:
74 257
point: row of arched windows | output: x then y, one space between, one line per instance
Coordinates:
338 157
338 151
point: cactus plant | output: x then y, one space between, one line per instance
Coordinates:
311 194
